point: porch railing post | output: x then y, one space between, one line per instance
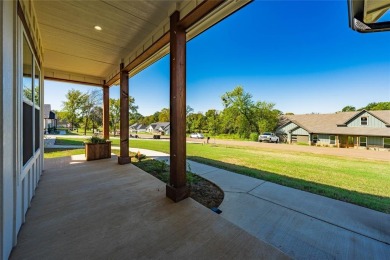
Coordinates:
177 189
124 157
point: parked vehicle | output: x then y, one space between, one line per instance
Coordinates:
197 135
269 137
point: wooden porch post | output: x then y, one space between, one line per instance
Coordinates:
106 110
177 189
124 157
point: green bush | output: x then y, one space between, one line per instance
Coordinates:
254 136
96 140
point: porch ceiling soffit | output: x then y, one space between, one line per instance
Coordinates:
133 32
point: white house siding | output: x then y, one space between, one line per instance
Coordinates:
371 121
300 131
286 129
17 182
7 123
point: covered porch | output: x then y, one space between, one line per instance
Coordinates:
102 210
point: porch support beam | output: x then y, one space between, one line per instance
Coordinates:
124 157
177 188
106 113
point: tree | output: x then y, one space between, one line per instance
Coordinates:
114 114
88 102
96 117
135 118
348 109
377 106
163 116
213 121
189 110
72 105
114 105
240 102
195 122
268 117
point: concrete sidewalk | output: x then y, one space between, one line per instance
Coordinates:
301 224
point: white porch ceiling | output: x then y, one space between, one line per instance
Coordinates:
74 50
71 44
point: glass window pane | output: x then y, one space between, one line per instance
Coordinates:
37 129
27 132
363 141
386 142
27 71
37 85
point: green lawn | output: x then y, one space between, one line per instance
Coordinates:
79 141
54 153
358 181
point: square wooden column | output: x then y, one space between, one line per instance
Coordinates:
124 157
106 113
177 189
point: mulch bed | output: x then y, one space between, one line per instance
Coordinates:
201 190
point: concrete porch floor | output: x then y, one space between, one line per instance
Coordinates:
102 210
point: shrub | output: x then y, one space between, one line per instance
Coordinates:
140 156
97 140
254 136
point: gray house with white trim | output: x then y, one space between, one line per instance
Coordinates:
358 129
159 127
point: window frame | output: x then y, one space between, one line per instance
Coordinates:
360 141
361 120
35 103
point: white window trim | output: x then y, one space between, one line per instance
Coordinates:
360 141
366 120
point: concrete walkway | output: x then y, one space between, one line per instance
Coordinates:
301 224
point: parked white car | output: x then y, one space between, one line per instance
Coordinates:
197 135
269 137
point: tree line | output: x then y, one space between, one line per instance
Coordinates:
241 115
370 106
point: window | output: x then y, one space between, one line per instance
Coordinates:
386 142
363 141
31 87
27 72
363 120
37 84
315 139
332 139
27 102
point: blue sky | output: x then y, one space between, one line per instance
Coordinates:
300 55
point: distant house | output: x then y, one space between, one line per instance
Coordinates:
358 129
137 128
160 128
49 118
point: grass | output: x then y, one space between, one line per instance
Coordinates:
80 141
54 153
358 181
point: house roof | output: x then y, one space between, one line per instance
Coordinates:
137 126
157 125
328 123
